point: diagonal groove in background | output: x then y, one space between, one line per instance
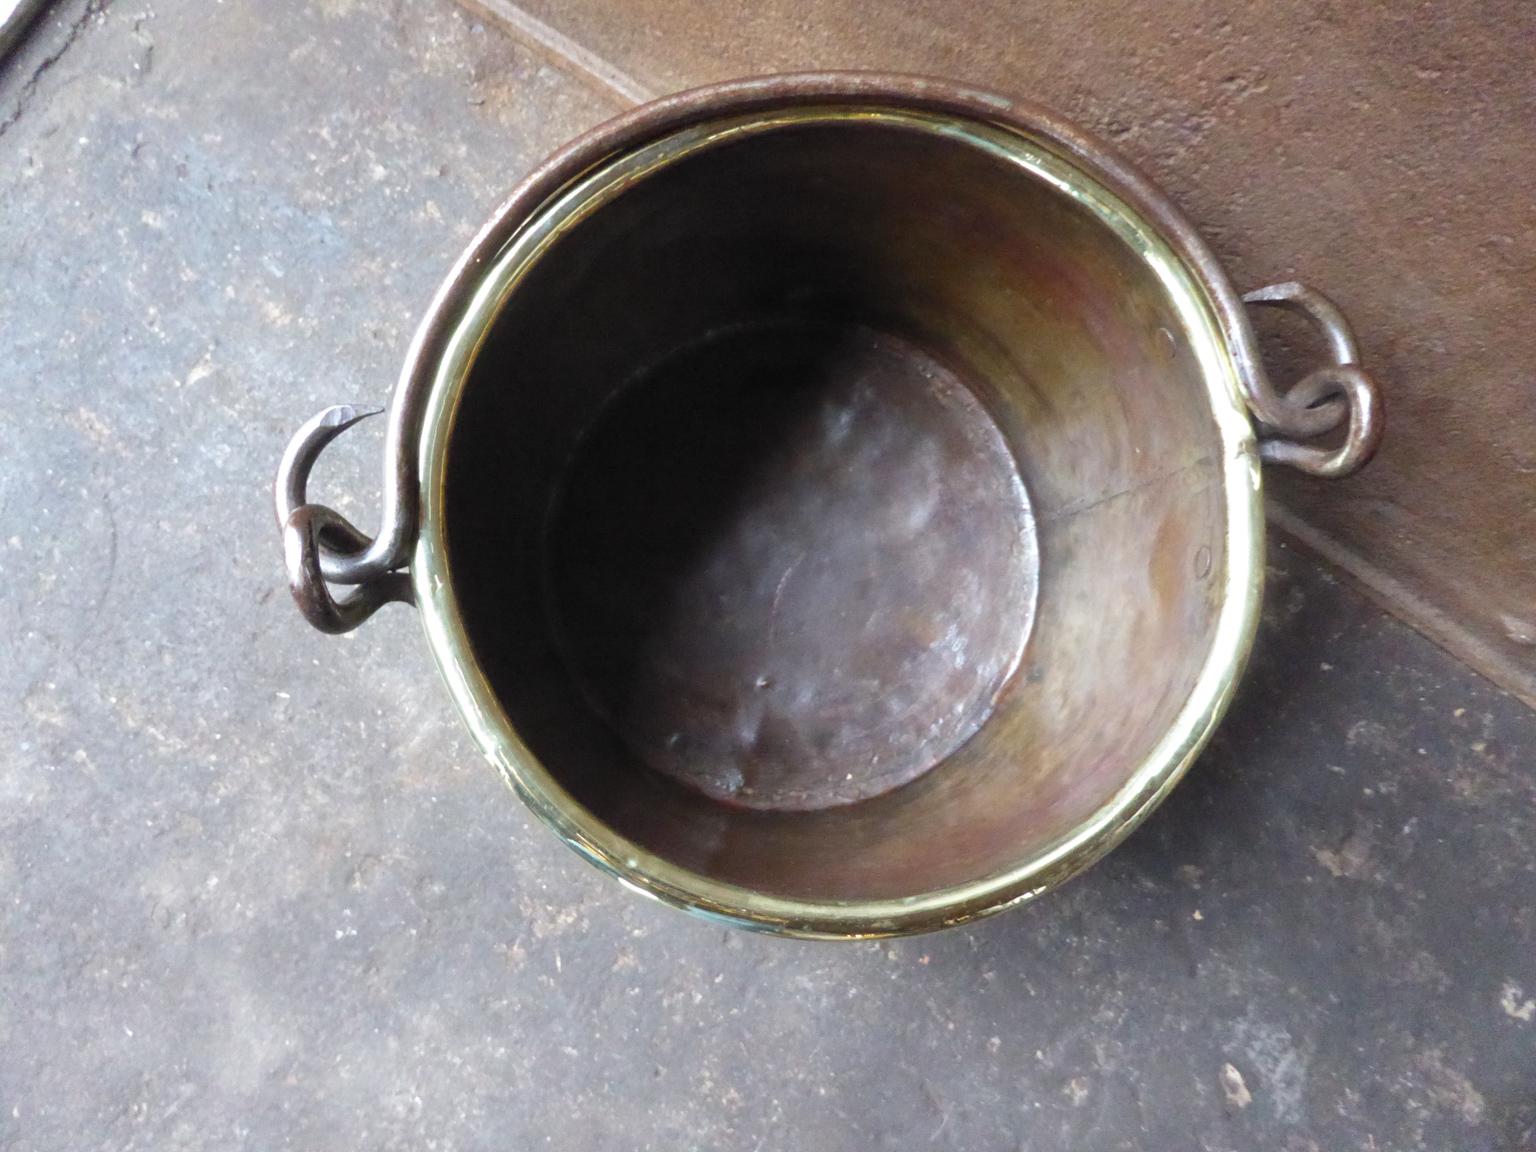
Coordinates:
566 52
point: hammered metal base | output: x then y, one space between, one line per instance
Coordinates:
793 565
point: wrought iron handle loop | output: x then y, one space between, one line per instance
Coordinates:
302 532
322 547
1322 400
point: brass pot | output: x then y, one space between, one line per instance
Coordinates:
834 500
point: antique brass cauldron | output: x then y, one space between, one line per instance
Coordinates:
834 500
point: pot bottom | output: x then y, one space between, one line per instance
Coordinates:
792 565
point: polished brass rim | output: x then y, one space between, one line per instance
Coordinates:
600 167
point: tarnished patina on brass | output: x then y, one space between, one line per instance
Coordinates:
833 500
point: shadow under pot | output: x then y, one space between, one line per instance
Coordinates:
834 501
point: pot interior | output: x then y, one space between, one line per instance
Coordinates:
838 510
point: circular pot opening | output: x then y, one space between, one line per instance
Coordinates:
837 510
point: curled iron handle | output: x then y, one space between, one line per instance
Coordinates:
1322 400
301 553
321 546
